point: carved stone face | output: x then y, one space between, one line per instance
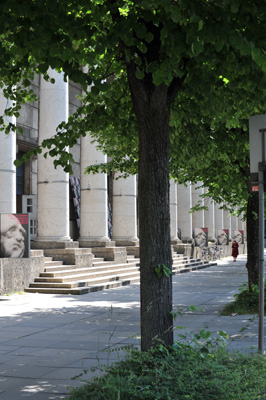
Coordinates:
12 237
200 238
238 238
222 238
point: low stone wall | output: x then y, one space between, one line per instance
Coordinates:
17 273
116 254
133 251
183 248
79 257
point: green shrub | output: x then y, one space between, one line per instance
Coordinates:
246 301
179 373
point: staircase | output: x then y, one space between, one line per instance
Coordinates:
70 279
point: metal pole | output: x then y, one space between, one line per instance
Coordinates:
261 245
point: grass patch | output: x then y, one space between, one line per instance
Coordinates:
246 302
182 372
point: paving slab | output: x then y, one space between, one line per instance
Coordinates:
46 339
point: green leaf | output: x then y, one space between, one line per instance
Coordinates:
223 334
197 47
140 30
175 14
219 46
205 334
235 7
163 270
139 73
201 23
149 37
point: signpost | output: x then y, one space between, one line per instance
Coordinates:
257 169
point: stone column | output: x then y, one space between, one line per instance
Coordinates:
53 184
209 218
7 167
241 223
197 216
234 225
245 230
227 222
218 215
124 211
173 212
93 198
184 200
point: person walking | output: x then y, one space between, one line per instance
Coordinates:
235 246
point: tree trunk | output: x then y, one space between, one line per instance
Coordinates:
253 240
152 111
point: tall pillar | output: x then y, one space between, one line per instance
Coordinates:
227 222
124 212
197 216
241 226
7 167
209 218
173 212
93 198
245 230
241 223
184 200
218 215
234 225
53 184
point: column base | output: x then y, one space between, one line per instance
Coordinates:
48 244
133 250
176 241
183 248
127 242
187 240
91 242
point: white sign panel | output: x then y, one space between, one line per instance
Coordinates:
256 123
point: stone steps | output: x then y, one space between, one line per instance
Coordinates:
70 279
95 270
85 273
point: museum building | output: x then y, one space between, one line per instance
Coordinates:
86 211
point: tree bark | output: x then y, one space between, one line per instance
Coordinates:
253 240
153 111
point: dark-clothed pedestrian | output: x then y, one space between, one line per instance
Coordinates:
235 246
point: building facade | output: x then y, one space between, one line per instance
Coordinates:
91 210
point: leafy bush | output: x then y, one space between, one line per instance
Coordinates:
179 373
246 301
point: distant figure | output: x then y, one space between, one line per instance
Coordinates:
12 237
235 246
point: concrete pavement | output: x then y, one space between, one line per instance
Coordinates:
46 340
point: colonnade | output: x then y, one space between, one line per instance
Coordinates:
53 189
7 167
212 217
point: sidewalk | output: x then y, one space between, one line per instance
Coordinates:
46 340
